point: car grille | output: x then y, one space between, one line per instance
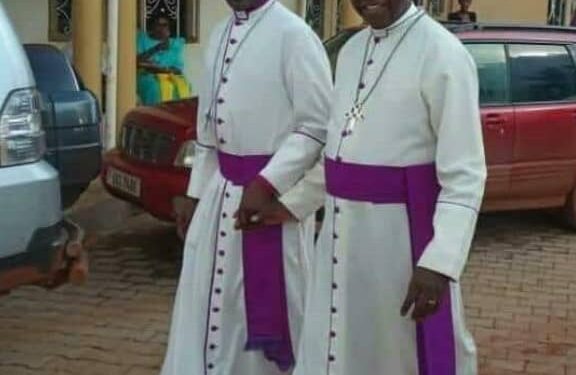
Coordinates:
147 145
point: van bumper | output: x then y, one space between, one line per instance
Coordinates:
37 245
55 255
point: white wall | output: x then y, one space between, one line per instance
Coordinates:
30 18
211 12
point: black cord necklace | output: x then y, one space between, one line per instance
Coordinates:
226 63
355 114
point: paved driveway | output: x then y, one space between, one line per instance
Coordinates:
521 295
520 290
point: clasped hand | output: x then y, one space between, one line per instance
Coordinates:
259 207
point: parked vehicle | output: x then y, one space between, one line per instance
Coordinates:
37 246
73 119
152 164
528 96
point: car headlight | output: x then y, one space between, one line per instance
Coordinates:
185 157
22 139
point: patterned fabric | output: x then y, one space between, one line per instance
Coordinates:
158 88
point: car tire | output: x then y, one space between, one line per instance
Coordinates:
569 211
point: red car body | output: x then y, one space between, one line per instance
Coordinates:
150 142
530 147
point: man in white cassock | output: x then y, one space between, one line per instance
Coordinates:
404 175
264 106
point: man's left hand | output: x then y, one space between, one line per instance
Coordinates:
425 293
255 199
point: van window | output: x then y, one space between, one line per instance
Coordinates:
541 73
51 69
492 72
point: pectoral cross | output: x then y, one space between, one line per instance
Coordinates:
353 117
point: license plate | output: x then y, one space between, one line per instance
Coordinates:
124 182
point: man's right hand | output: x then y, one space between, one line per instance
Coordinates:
184 208
274 213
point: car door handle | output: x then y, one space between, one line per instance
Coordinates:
496 126
494 118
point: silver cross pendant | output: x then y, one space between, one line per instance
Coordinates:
353 117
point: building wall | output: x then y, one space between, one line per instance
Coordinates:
30 18
498 11
522 11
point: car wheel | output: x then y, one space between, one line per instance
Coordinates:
569 211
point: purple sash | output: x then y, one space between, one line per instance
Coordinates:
418 188
264 284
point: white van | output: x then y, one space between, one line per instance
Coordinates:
37 246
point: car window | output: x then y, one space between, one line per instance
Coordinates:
541 73
51 69
492 72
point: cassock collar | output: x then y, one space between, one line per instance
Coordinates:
382 33
258 8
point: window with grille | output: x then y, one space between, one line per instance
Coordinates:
315 16
183 16
60 25
436 7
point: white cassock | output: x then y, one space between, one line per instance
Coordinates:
404 189
266 94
